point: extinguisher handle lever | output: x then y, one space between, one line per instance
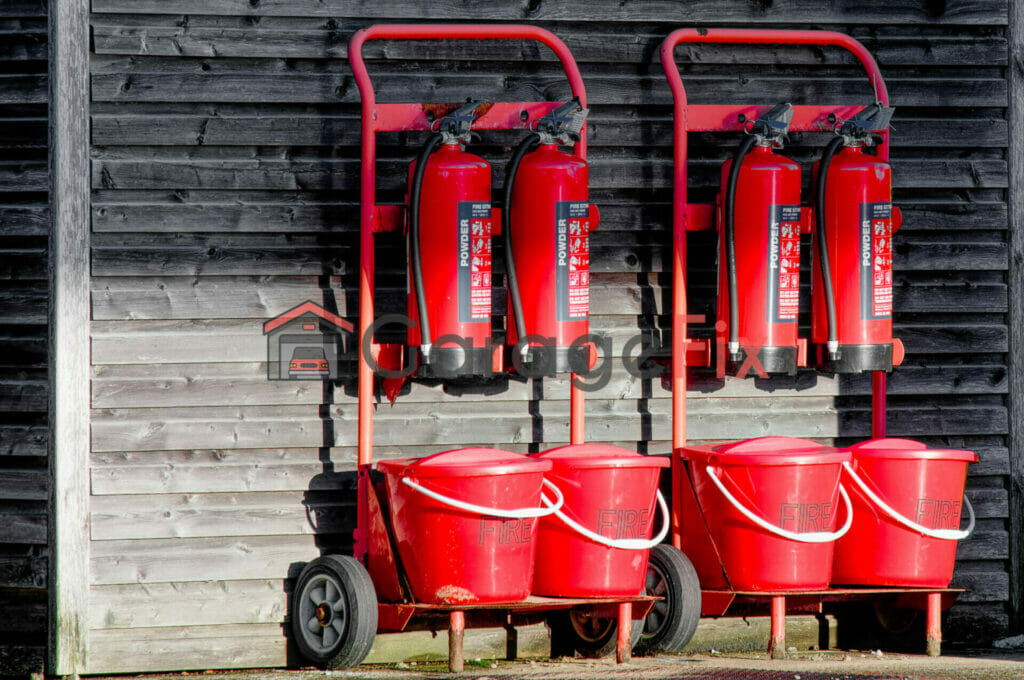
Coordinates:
456 125
773 126
868 121
564 124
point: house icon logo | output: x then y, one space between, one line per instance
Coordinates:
309 343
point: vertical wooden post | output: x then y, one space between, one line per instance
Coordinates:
69 336
1015 318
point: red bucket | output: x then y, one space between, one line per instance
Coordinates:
464 522
906 514
772 507
597 544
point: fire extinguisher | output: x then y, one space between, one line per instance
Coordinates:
546 230
851 320
449 248
759 249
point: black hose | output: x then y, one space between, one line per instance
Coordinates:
522 149
730 242
414 237
826 271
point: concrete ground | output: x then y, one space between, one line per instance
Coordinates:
724 649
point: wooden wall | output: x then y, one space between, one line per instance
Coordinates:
23 346
225 185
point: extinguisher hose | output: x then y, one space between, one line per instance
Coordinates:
521 150
414 238
826 271
730 243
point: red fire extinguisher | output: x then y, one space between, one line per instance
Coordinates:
759 249
851 321
546 230
449 244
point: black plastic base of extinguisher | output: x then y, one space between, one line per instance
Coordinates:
457 362
773 360
853 358
549 361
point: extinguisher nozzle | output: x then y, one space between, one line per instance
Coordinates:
833 350
734 352
425 352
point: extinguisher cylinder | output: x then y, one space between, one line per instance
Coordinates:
454 254
550 246
858 230
766 229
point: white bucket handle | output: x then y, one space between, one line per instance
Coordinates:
622 543
944 534
806 537
518 513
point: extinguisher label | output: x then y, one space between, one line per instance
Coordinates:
875 260
474 231
783 263
572 259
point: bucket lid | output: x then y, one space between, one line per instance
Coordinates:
599 456
477 462
908 449
768 451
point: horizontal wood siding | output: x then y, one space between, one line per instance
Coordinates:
225 191
24 223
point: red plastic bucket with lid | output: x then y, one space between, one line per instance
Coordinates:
598 542
464 522
906 514
773 507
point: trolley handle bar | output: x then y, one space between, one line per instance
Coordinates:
755 36
456 32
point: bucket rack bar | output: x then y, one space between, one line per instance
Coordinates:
697 217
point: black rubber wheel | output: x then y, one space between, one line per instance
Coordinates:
673 619
334 612
573 632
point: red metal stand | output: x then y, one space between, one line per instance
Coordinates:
693 217
396 610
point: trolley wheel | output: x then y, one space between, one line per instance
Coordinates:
673 619
574 632
334 612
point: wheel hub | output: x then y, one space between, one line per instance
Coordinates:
324 614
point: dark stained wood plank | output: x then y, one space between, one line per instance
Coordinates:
199 36
1015 321
23 440
24 572
636 90
24 220
22 89
273 128
785 11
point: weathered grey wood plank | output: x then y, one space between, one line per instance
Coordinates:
125 517
24 484
23 440
69 335
187 648
260 426
203 603
968 12
200 559
984 545
24 220
982 586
